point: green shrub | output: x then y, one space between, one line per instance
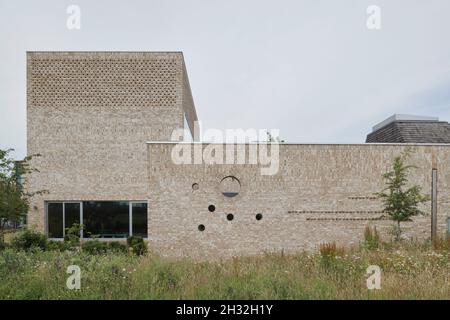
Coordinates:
28 239
95 247
137 244
61 246
116 246
73 234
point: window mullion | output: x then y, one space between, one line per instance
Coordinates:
130 212
81 221
64 219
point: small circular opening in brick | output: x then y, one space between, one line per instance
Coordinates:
201 227
195 186
211 208
258 216
230 216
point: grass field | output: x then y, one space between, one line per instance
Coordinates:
409 271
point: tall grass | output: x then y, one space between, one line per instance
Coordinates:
371 238
409 271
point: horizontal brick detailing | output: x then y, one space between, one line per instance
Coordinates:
321 193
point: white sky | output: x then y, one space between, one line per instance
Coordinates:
309 68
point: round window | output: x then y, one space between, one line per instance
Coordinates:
230 186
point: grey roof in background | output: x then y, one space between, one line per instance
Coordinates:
410 129
402 117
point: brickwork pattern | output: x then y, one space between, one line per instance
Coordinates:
89 115
321 193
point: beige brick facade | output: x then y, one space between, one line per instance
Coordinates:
89 115
321 193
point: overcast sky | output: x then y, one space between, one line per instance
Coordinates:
311 68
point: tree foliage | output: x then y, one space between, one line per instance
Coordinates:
14 199
400 199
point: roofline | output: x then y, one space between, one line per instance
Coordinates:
401 118
99 51
301 143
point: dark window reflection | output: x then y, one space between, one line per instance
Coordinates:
55 220
106 219
72 211
102 219
140 219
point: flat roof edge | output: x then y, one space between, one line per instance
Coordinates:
293 143
403 117
99 51
39 55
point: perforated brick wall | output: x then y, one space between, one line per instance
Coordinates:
89 115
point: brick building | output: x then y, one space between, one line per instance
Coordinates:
102 122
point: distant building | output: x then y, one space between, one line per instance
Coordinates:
402 128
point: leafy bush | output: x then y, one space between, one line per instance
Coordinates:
28 239
95 247
73 234
116 246
371 238
137 244
61 246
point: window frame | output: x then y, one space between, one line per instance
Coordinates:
130 218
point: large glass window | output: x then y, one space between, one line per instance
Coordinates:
106 219
139 211
71 214
61 216
55 220
101 219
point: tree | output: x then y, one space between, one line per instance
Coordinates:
401 202
14 200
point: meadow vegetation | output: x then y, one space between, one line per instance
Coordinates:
410 270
